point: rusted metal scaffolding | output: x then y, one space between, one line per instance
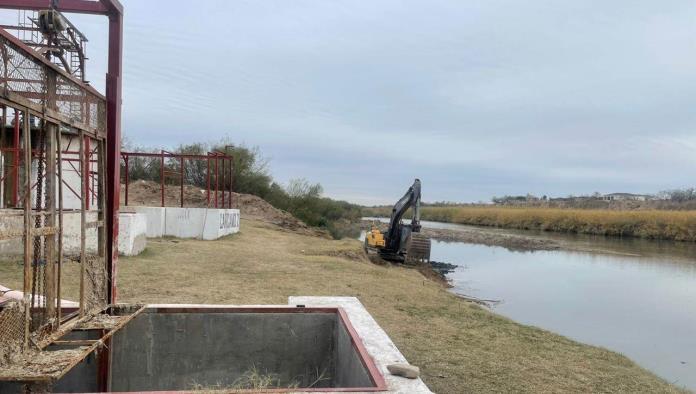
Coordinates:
55 107
219 174
58 122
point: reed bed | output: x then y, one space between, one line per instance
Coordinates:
650 224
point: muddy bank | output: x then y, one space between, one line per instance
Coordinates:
518 243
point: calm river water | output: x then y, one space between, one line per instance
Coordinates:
636 297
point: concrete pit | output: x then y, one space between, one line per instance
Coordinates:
184 348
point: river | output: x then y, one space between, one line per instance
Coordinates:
636 297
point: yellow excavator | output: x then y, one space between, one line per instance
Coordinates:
402 242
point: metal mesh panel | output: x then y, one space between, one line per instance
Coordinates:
11 331
71 100
22 74
95 283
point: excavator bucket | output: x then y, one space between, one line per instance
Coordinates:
418 249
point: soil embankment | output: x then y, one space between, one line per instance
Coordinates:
148 193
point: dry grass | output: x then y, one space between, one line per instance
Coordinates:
459 346
653 224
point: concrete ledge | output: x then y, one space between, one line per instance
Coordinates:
132 230
201 223
376 341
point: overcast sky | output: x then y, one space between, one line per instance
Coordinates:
476 98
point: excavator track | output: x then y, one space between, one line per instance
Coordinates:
418 249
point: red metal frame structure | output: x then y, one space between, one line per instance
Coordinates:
219 170
114 11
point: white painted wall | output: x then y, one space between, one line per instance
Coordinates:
71 232
201 223
154 218
132 233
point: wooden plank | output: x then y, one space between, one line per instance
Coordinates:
76 342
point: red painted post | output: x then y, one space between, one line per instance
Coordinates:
217 184
113 149
85 176
125 158
162 176
222 205
182 181
208 187
231 178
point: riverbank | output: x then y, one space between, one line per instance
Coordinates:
648 224
518 243
459 346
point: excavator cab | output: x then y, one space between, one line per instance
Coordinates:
402 242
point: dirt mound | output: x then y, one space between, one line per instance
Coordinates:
148 193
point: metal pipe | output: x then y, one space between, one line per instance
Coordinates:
83 225
207 189
182 182
60 228
217 184
162 176
28 238
223 183
113 133
15 197
127 180
50 220
87 173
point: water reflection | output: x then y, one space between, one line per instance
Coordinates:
636 297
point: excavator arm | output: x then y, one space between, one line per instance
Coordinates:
410 199
402 242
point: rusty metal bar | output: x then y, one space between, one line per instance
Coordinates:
83 224
127 181
50 220
60 227
15 198
217 183
86 173
207 194
162 176
182 181
28 238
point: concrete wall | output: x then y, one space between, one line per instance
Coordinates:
9 221
154 220
132 233
173 351
202 223
132 230
381 348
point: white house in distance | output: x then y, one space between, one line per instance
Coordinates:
625 197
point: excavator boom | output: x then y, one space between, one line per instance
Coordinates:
403 242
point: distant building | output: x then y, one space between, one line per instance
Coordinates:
625 197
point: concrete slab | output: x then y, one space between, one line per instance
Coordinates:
376 341
132 233
155 220
201 223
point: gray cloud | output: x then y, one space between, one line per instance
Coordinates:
476 98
